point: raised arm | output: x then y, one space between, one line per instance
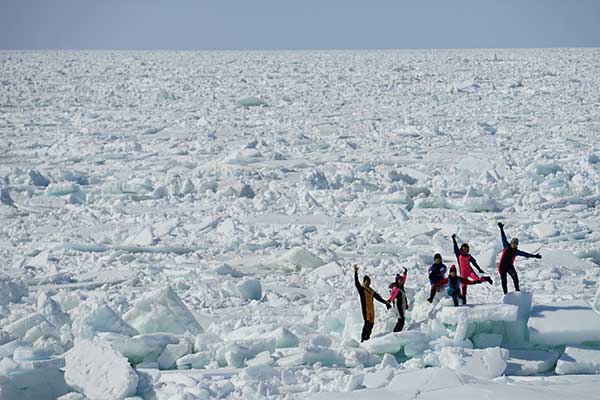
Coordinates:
356 281
503 235
456 250
404 276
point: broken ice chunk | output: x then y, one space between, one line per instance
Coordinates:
162 311
250 289
485 363
11 291
579 360
251 102
530 362
563 323
100 372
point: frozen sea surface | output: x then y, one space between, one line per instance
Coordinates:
227 194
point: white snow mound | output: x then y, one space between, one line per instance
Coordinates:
162 311
100 372
298 259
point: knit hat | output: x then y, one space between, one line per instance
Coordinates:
453 268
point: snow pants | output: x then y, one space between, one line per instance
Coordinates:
366 331
455 297
513 274
401 318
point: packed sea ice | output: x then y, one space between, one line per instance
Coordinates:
183 225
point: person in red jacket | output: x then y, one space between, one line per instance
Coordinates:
507 259
454 283
464 263
398 294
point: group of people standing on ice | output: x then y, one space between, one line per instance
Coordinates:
457 284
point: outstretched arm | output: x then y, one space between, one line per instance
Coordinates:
379 298
528 255
442 282
503 235
456 250
474 262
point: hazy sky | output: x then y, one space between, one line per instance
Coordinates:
298 24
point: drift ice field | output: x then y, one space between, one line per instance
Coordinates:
182 225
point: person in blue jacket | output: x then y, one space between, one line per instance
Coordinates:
454 283
506 266
437 272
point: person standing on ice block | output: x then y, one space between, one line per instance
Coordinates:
367 294
506 266
454 283
399 295
437 272
464 263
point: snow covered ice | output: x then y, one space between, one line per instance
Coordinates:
99 372
183 225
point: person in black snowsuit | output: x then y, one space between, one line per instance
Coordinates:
367 294
506 266
437 272
398 294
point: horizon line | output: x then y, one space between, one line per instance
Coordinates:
303 49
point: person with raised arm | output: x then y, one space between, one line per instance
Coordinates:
506 266
464 264
398 294
367 294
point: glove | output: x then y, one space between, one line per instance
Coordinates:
500 225
405 270
388 305
538 256
454 236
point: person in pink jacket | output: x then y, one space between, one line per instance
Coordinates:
398 294
464 264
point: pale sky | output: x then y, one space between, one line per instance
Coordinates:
302 24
